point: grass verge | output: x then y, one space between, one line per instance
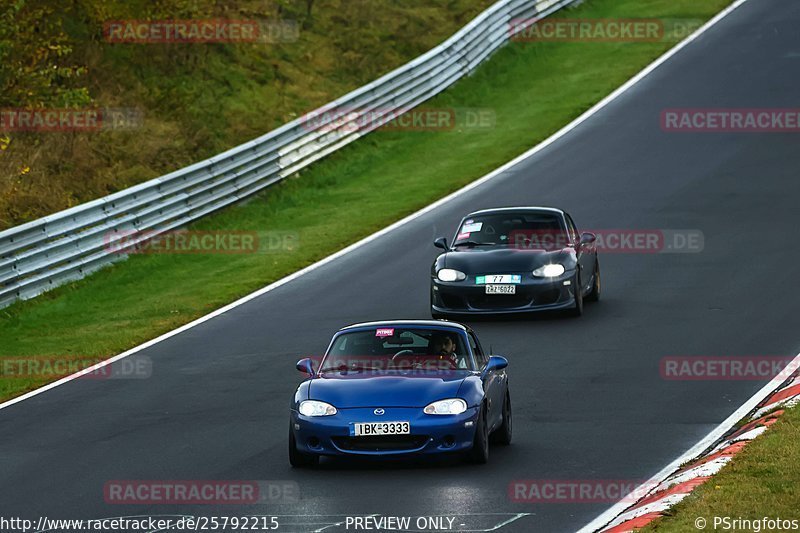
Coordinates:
189 101
532 89
762 480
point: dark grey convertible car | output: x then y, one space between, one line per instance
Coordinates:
515 260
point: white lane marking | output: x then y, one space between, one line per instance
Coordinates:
400 223
510 520
694 452
609 514
337 524
783 404
746 436
704 470
656 506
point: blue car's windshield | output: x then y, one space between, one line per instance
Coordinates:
527 230
390 348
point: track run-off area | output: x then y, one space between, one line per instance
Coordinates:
589 396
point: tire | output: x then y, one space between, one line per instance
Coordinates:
297 458
594 296
577 309
502 435
479 454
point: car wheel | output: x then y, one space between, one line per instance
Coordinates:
502 435
577 309
479 453
297 458
595 294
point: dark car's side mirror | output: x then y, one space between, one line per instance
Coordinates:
441 242
306 365
588 238
496 362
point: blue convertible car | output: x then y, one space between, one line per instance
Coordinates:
400 388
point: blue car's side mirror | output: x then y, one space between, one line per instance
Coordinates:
496 362
306 365
441 242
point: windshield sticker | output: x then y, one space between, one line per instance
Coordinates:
384 332
473 227
462 236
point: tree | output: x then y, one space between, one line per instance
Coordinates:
36 68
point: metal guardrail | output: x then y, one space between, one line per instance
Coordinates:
45 253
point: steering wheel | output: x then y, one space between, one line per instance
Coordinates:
402 352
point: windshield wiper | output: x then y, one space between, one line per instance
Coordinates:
473 243
355 368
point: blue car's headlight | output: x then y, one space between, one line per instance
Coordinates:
448 274
316 408
453 406
549 271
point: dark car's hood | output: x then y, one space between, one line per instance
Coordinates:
386 389
499 260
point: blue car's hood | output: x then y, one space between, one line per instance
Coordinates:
386 389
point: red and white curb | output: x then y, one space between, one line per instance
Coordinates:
684 480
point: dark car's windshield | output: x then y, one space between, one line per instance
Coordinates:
528 230
396 348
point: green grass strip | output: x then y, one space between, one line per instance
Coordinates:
533 89
762 481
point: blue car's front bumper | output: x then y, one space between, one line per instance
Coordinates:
430 434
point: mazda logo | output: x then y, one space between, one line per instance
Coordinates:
379 412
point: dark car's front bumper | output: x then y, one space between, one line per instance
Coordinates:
430 434
532 294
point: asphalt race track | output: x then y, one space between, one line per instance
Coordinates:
589 401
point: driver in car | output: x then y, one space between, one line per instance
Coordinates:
444 346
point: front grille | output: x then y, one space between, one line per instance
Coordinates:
549 296
380 443
452 302
499 301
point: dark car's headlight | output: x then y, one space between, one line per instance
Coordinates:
448 274
452 406
549 271
316 408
